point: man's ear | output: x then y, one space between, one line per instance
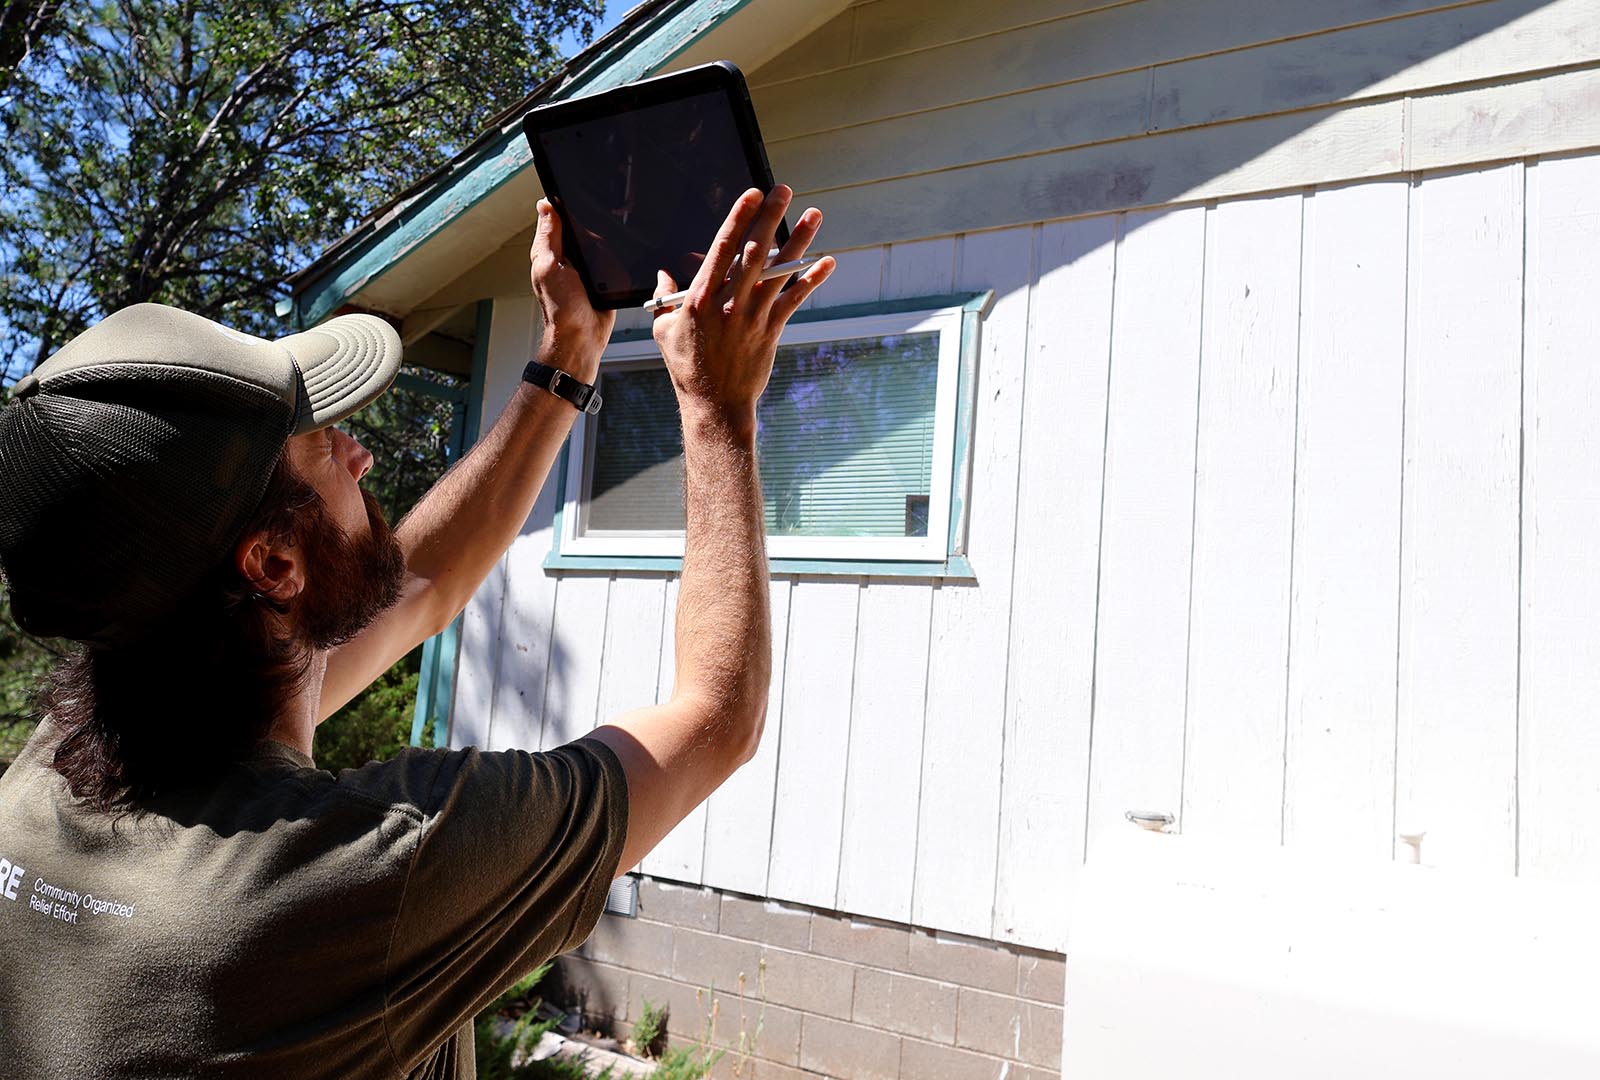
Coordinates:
273 569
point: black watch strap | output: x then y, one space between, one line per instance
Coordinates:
581 395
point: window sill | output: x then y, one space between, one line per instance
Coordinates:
955 568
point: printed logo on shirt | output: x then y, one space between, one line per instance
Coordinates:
55 901
10 878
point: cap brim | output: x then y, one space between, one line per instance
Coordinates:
345 363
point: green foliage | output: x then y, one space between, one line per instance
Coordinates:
497 1053
24 662
195 152
24 659
23 23
412 436
650 1030
695 1060
687 1063
376 724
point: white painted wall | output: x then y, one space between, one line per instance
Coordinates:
1283 510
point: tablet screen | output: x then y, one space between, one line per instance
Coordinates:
648 188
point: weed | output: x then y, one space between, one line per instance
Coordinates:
748 1040
694 1062
650 1031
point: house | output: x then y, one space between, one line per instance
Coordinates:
1243 470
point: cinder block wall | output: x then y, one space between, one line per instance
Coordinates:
801 992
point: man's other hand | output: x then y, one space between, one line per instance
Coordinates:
575 334
719 345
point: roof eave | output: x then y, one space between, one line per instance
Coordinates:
647 39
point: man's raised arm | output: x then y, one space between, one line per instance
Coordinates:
461 527
719 348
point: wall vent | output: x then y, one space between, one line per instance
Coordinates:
623 899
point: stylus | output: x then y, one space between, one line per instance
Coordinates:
778 271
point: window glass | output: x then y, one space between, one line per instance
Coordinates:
636 475
845 440
846 436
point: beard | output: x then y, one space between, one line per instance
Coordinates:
351 580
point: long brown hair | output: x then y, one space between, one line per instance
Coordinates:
196 692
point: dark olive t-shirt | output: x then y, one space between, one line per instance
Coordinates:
284 922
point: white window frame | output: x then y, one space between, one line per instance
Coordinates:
947 322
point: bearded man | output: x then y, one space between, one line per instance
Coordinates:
182 892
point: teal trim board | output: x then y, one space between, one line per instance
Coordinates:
973 305
436 683
966 396
955 567
480 368
419 385
501 156
422 712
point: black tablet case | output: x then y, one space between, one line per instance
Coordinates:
643 175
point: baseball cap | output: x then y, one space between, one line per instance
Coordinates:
133 457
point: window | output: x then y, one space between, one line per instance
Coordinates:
857 441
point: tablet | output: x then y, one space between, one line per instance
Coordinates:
645 174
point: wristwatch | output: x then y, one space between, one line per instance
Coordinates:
579 394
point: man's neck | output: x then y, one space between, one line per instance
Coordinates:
296 726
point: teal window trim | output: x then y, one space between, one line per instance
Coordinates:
955 566
436 683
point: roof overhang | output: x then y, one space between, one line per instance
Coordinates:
443 226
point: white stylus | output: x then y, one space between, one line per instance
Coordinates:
776 271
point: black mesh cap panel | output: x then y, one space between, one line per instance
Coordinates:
120 489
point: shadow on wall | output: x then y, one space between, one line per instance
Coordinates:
578 985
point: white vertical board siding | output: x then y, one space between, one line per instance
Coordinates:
1243 512
525 624
631 673
527 609
1192 592
883 779
1049 694
513 328
809 803
739 813
681 852
577 652
964 731
1339 760
1136 753
1559 760
1459 554
800 856
878 845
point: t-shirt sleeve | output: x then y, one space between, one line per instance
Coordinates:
514 857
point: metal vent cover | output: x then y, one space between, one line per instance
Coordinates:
623 897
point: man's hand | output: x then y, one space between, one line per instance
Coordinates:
719 345
575 334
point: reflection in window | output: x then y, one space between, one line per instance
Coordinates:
845 440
